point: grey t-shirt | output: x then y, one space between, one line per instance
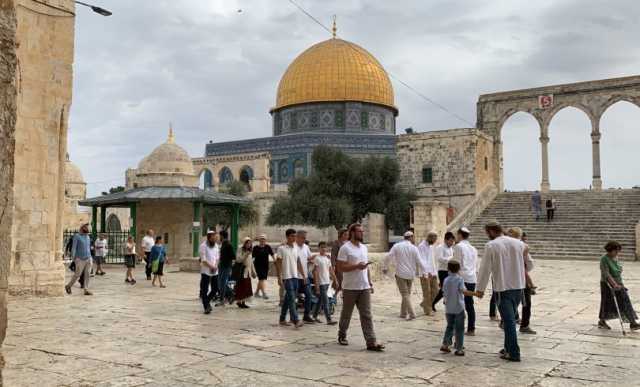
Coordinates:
452 292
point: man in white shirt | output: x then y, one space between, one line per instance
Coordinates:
443 254
503 261
428 272
353 262
209 256
147 243
406 259
289 269
304 253
467 255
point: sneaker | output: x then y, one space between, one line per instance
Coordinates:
67 289
284 323
445 349
603 325
527 330
508 357
299 324
127 280
470 333
308 320
207 310
87 293
459 352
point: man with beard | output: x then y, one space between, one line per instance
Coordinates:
209 257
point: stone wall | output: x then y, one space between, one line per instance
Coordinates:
8 116
256 163
44 41
174 218
429 215
457 161
376 234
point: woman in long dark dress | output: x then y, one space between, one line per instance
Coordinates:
243 290
610 284
261 254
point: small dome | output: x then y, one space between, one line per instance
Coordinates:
335 70
167 158
72 173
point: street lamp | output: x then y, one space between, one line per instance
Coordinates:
95 9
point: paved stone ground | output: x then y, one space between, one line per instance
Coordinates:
139 335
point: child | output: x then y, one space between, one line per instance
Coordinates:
158 256
323 274
130 260
453 291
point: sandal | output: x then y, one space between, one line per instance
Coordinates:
375 347
343 341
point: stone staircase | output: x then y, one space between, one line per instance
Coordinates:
584 222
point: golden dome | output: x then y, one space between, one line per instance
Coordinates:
335 70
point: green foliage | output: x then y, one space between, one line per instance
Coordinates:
223 216
113 190
341 190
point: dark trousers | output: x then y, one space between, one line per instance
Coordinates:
442 274
307 297
289 303
550 213
508 302
470 308
208 289
324 302
224 273
526 309
455 326
147 264
492 305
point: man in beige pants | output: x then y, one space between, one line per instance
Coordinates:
428 272
406 259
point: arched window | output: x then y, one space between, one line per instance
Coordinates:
113 223
206 180
225 175
298 168
246 175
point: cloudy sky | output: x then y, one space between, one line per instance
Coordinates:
212 68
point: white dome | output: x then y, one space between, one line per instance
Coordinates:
72 173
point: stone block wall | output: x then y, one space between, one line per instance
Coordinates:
44 38
174 218
429 215
457 161
257 163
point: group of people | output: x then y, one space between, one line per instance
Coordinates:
85 253
549 205
451 272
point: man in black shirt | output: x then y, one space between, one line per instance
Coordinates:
227 256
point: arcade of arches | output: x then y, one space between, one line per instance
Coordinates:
593 98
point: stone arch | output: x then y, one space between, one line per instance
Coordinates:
113 223
225 175
246 175
520 149
618 140
557 109
510 112
205 178
614 100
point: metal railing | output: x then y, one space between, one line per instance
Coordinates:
116 244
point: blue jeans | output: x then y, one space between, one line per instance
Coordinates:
324 302
289 302
455 325
508 302
469 307
307 297
224 273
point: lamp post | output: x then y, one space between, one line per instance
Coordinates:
96 9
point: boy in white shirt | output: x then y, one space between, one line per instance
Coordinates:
467 255
323 275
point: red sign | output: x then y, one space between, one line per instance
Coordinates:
545 101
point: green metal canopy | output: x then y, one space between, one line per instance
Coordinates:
164 193
199 197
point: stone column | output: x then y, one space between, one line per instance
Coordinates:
544 142
595 151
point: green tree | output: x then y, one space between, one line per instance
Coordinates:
113 190
343 189
223 216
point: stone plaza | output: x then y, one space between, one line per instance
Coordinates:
143 336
